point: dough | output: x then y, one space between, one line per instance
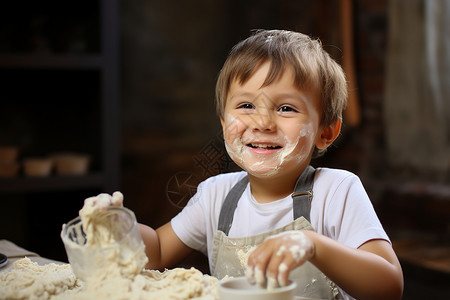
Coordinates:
120 276
28 280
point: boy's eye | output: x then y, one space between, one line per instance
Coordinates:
286 108
246 106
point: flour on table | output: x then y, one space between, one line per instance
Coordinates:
28 280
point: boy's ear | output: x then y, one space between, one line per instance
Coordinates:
329 134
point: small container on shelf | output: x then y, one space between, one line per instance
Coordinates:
37 167
71 163
9 170
9 167
8 154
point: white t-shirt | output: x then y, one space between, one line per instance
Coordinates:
340 209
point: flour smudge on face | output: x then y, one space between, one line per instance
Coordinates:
266 165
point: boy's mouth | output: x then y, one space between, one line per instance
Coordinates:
263 146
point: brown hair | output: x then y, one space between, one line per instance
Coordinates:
311 64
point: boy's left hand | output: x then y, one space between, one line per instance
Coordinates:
102 201
272 261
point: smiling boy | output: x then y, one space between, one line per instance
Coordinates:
280 99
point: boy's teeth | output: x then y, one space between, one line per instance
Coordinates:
263 146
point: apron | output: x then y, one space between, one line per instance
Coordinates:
229 255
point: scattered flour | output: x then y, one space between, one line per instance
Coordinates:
28 280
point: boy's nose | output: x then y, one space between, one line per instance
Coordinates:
263 121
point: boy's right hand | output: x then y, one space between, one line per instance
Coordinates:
272 261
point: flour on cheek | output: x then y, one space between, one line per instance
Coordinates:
293 148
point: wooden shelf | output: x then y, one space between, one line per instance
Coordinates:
44 85
51 183
51 61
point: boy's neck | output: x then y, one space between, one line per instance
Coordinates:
269 189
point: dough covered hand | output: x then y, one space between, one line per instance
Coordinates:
271 262
102 202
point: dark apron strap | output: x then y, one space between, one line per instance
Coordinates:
230 204
302 198
303 194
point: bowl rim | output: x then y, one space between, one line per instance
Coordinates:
292 286
64 232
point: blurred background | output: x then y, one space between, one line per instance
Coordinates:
98 96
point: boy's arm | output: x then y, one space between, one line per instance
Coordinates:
162 246
370 272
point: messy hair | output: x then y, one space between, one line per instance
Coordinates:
311 64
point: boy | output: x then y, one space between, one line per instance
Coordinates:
280 99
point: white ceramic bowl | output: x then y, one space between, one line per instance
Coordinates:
240 289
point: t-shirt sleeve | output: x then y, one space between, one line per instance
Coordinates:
190 224
351 217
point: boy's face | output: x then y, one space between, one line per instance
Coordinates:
273 129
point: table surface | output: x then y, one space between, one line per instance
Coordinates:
14 252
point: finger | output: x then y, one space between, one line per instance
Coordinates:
284 264
103 201
285 267
283 274
117 199
89 202
261 261
250 274
273 268
260 275
253 256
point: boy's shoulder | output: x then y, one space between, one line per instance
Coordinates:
331 174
